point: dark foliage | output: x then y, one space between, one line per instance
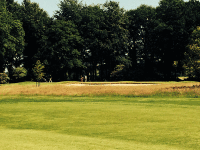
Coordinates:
103 41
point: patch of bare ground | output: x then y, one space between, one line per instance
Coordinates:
105 89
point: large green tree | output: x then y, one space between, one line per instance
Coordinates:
192 15
11 39
103 29
62 55
171 34
142 42
91 32
192 56
35 23
114 45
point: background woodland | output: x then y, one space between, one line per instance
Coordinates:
104 42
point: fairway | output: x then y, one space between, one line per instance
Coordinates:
107 122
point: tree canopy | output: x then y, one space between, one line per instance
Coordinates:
192 56
11 38
103 41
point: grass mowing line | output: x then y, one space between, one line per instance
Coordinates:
33 139
106 99
144 123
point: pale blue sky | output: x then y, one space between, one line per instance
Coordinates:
51 5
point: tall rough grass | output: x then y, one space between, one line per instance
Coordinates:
190 89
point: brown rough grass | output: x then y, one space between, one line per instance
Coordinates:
67 89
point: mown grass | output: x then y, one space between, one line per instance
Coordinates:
111 122
56 116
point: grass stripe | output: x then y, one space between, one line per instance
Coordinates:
145 123
42 140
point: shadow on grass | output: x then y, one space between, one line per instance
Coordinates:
161 98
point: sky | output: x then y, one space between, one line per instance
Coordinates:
52 5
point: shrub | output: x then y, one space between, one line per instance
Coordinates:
20 72
3 78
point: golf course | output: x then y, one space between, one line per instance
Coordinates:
100 116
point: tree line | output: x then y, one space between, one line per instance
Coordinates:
104 41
